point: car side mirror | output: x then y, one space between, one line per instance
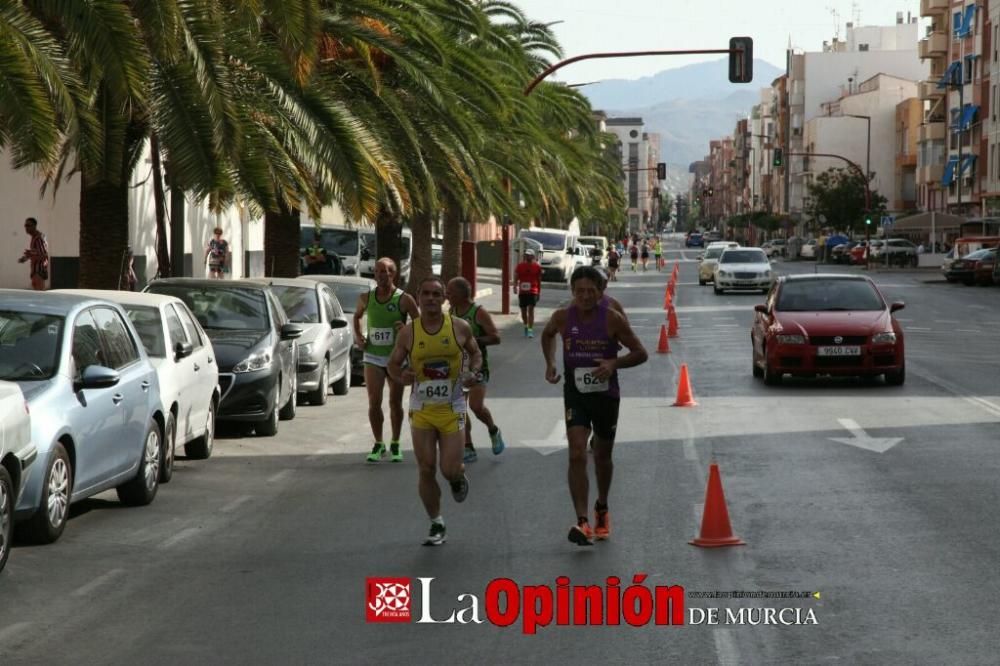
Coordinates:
895 307
291 332
182 350
338 323
762 308
97 377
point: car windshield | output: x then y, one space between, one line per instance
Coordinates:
342 241
827 295
978 254
714 252
29 345
149 325
743 257
348 294
549 241
301 303
593 240
221 308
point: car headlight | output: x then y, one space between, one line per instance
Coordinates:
724 274
791 339
306 349
887 336
766 274
257 361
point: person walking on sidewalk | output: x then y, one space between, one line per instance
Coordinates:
434 343
387 308
217 254
459 293
528 286
37 253
591 331
614 258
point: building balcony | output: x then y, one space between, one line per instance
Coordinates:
934 7
930 175
908 160
931 132
934 45
928 90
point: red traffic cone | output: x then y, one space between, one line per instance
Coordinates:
671 322
663 347
672 287
677 269
684 396
667 301
716 532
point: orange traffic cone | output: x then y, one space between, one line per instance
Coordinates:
677 270
672 287
667 301
663 347
716 531
684 396
671 322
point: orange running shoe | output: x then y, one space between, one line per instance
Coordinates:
602 524
581 534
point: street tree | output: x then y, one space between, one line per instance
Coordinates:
839 196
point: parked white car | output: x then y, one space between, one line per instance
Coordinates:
182 354
808 250
743 268
16 455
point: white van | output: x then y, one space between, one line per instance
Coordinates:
344 241
369 255
558 252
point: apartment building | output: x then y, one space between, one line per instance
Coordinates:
635 148
909 116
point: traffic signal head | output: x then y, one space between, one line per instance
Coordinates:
661 170
711 191
868 220
740 59
778 157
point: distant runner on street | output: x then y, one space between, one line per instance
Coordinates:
591 332
434 344
528 286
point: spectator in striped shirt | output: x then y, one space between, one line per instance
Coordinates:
37 253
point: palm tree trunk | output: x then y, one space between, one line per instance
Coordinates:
388 232
162 251
451 248
281 242
420 259
103 234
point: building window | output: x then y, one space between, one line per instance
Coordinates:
862 47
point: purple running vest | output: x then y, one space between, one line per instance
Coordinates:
586 343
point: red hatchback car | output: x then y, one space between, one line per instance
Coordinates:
827 325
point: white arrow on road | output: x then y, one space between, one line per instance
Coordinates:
556 441
863 440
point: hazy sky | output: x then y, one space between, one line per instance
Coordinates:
637 25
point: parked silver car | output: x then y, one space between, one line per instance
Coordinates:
348 289
95 406
325 345
16 455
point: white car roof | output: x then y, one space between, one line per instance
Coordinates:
125 297
723 244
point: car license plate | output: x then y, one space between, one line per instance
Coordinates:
744 283
839 351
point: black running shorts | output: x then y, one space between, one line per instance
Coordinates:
526 300
596 411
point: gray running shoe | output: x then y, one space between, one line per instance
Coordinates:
437 535
460 489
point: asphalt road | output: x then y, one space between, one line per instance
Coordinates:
260 555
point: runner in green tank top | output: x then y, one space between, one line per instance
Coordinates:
459 293
386 309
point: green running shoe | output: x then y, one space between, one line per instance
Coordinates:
378 452
497 440
396 454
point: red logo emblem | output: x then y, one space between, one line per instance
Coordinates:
388 599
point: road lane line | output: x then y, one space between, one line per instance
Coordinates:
85 590
280 476
235 504
180 536
982 403
725 647
12 630
917 328
947 321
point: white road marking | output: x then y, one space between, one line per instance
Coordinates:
235 504
483 293
85 590
556 441
862 440
280 476
967 330
12 630
946 321
917 328
727 325
180 536
991 407
725 647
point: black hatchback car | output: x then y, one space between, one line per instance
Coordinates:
254 344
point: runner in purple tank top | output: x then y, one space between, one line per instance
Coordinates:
591 331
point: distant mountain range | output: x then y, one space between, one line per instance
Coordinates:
688 106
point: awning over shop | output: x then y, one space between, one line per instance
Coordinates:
967 162
949 171
921 223
952 75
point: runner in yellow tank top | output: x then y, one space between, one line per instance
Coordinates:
434 343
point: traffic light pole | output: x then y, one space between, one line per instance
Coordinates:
868 196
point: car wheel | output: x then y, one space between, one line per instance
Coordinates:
269 427
771 378
49 520
716 290
896 377
343 385
141 490
318 397
757 371
287 412
201 448
169 442
702 282
6 514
